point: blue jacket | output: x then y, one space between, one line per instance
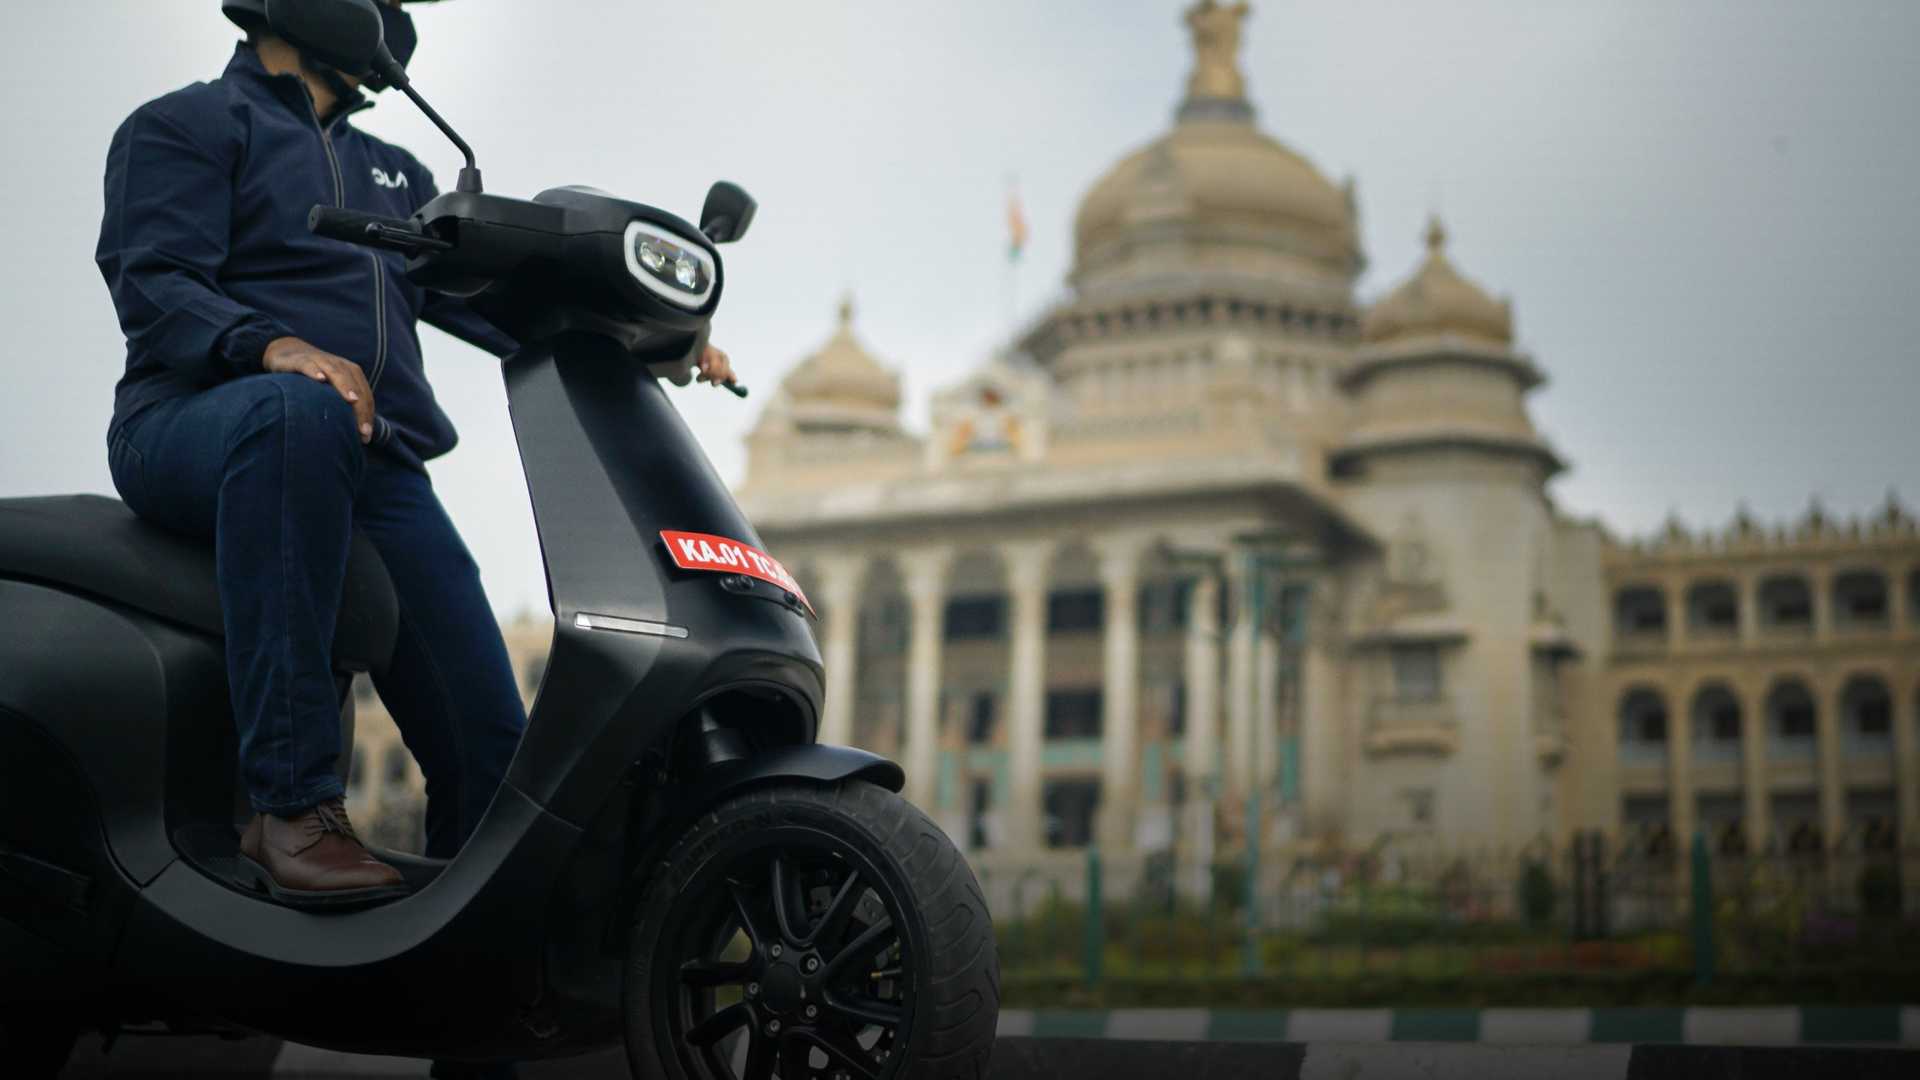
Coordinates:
205 248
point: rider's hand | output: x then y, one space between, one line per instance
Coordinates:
715 368
290 355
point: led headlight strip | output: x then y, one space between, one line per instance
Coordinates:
675 268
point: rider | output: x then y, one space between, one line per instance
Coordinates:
274 401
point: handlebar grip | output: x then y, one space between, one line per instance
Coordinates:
336 223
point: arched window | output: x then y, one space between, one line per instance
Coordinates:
1786 604
1860 600
1713 607
1866 717
1640 611
396 765
1792 721
1716 724
1643 727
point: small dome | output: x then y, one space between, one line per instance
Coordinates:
1437 299
842 384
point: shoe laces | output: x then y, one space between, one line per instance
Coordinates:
331 817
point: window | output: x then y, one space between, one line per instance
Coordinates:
980 719
1792 719
1860 598
1080 611
1177 709
1419 806
1786 603
981 800
1796 721
396 765
1714 606
1640 611
1723 724
972 618
1416 672
1643 727
1073 714
1070 807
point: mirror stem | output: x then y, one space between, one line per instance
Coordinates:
396 76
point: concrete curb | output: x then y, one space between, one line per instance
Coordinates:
1887 1025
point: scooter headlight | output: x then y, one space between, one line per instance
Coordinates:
671 267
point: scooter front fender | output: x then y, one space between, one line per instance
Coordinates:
811 763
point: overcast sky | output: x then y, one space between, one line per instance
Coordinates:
1705 213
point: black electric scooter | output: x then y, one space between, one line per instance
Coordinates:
672 860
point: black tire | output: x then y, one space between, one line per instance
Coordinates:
927 1013
36 1047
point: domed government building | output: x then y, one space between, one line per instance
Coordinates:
1216 528
1218 550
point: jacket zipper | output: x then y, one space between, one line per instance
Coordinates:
383 431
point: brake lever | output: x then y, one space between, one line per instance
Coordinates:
735 389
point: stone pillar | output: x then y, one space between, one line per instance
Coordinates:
1203 717
924 573
1322 754
1680 801
1119 559
1676 613
1833 792
1749 609
1906 763
1027 565
1821 582
1238 770
840 580
1898 614
1266 715
1753 764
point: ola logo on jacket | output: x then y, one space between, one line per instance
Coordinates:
397 180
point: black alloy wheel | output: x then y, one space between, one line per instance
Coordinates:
797 942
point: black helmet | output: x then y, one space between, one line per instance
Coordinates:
251 15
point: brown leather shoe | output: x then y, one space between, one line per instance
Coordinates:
314 859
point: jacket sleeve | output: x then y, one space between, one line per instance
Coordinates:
452 313
163 241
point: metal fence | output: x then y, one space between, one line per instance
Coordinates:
1437 913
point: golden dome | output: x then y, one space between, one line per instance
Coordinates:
1222 173
1437 299
843 383
1215 181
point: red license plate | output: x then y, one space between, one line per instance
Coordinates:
705 551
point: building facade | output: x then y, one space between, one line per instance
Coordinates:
1218 553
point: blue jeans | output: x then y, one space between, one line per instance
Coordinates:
270 468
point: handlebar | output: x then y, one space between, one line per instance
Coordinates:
372 230
396 234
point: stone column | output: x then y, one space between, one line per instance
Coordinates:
1266 716
1833 792
1203 717
1322 755
924 573
840 580
1676 613
1753 764
1027 565
1680 802
1906 763
1238 770
1119 559
1749 609
1821 582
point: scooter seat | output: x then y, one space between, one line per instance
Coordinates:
97 546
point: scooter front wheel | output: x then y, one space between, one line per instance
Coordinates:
812 933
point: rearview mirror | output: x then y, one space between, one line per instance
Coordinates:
728 212
343 34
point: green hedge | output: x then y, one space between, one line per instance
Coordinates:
1639 988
